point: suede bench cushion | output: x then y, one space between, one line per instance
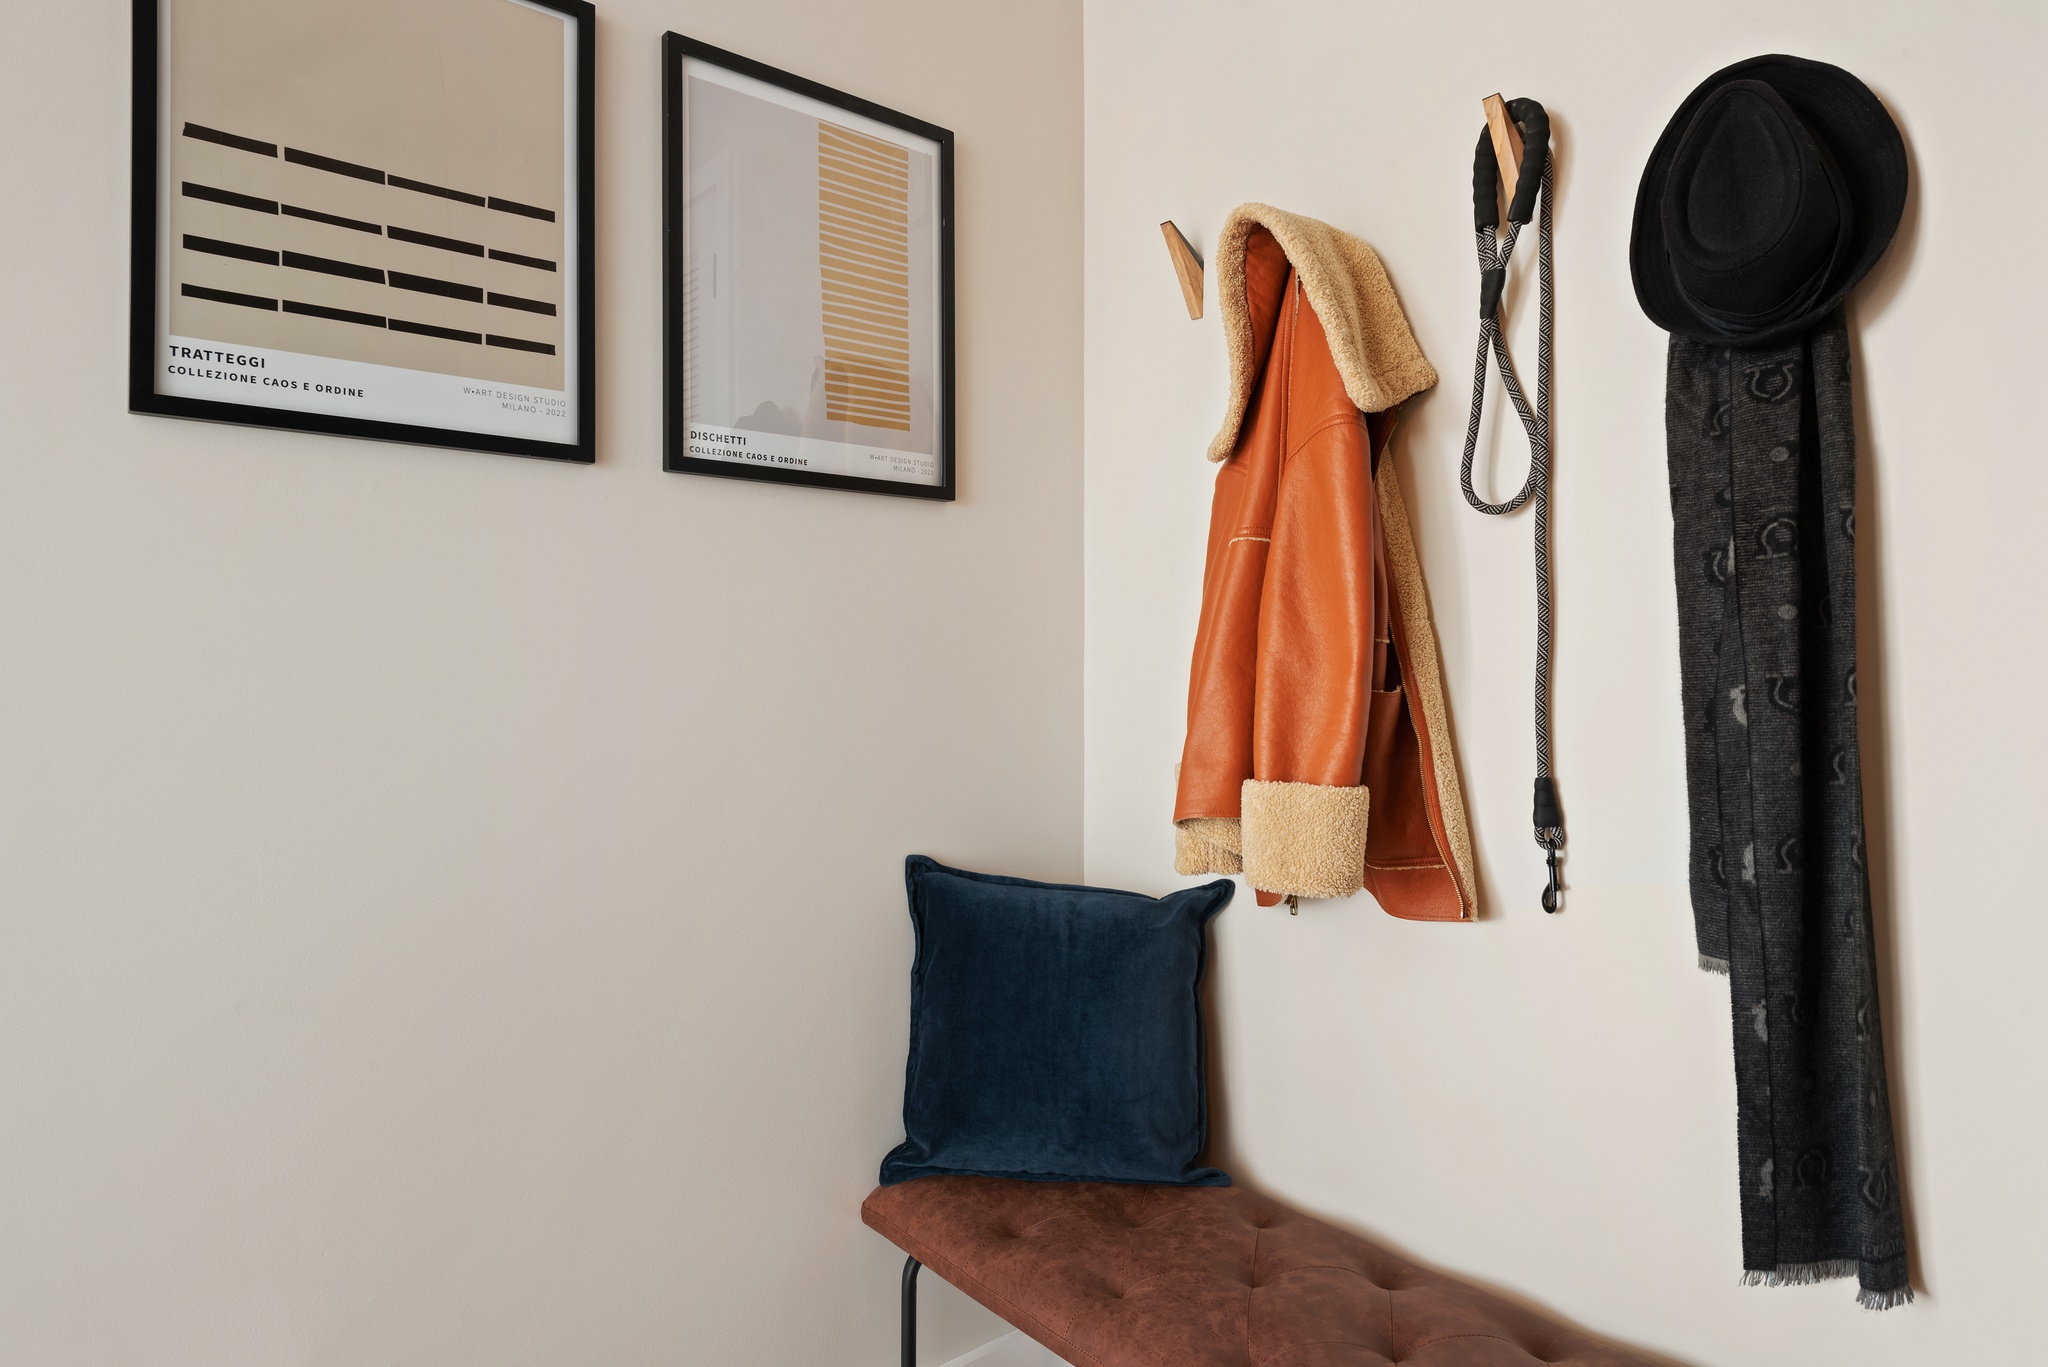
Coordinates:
1112 1275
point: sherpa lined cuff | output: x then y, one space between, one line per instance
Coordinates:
1206 844
1304 839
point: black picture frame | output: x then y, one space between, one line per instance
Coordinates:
580 273
675 440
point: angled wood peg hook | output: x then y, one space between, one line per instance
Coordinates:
1507 143
1186 265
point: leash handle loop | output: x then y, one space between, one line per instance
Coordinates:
1533 123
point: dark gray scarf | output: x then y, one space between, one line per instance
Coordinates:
1763 500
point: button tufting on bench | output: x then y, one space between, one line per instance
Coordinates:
1317 1302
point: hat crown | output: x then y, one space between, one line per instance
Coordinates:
1753 213
1793 182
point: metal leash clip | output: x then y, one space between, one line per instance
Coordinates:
1549 818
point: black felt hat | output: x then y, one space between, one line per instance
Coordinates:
1775 188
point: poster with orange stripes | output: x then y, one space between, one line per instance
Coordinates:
809 279
368 216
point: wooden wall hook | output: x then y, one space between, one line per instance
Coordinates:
1186 265
1507 143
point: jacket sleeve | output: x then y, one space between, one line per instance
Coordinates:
1305 806
1217 755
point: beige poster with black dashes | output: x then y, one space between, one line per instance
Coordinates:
367 208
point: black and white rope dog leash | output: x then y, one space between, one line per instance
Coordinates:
1496 248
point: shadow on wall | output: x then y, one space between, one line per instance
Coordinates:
1872 686
1223 1154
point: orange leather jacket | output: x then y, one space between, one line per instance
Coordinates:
1318 756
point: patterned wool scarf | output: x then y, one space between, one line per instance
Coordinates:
1763 500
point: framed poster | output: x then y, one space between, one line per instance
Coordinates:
367 217
809 281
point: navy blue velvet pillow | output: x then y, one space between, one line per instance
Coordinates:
1055 1031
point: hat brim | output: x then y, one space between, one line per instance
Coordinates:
1842 113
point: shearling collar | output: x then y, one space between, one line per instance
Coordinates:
1376 353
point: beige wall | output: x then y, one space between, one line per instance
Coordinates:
450 905
1548 1104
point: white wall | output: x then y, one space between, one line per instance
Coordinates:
1548 1104
450 905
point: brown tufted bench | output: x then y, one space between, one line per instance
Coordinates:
1129 1276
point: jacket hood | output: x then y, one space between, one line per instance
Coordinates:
1375 351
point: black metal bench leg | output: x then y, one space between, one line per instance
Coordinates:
910 1266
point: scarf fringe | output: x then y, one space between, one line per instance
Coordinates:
1713 965
1801 1274
1807 1274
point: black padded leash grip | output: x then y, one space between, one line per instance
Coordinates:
1548 815
1491 283
1485 185
1534 124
